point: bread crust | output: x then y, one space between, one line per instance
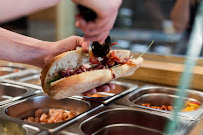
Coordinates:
79 83
47 67
84 81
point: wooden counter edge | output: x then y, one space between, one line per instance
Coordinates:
165 73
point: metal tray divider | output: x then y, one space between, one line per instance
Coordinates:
13 65
130 86
36 76
19 74
30 90
22 84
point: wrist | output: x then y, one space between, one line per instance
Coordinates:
48 49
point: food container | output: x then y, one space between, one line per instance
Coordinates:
120 120
13 128
10 68
121 88
20 75
29 76
158 96
10 92
25 108
33 79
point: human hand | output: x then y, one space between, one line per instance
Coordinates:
68 44
103 88
98 29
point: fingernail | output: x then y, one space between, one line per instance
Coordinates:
107 89
94 91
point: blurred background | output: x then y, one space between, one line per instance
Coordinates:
138 23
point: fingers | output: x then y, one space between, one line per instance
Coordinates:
104 88
85 45
106 11
91 26
71 43
80 23
98 33
96 30
92 91
111 85
79 41
100 38
98 23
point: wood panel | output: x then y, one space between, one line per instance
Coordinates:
167 58
65 21
166 73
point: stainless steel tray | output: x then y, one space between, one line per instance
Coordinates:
26 107
121 89
119 120
158 96
12 65
34 79
8 68
10 92
23 84
19 75
13 128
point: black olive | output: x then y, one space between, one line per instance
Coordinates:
101 50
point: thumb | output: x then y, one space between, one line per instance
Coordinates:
85 45
79 41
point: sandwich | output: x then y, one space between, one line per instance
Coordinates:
75 72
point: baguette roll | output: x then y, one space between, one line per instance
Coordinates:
72 85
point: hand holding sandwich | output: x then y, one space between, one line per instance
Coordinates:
22 49
75 72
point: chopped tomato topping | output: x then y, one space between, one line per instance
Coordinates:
16 70
129 62
193 102
93 59
113 56
114 43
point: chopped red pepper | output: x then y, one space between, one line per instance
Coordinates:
114 43
93 59
193 102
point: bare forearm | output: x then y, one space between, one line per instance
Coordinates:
180 14
18 48
11 9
